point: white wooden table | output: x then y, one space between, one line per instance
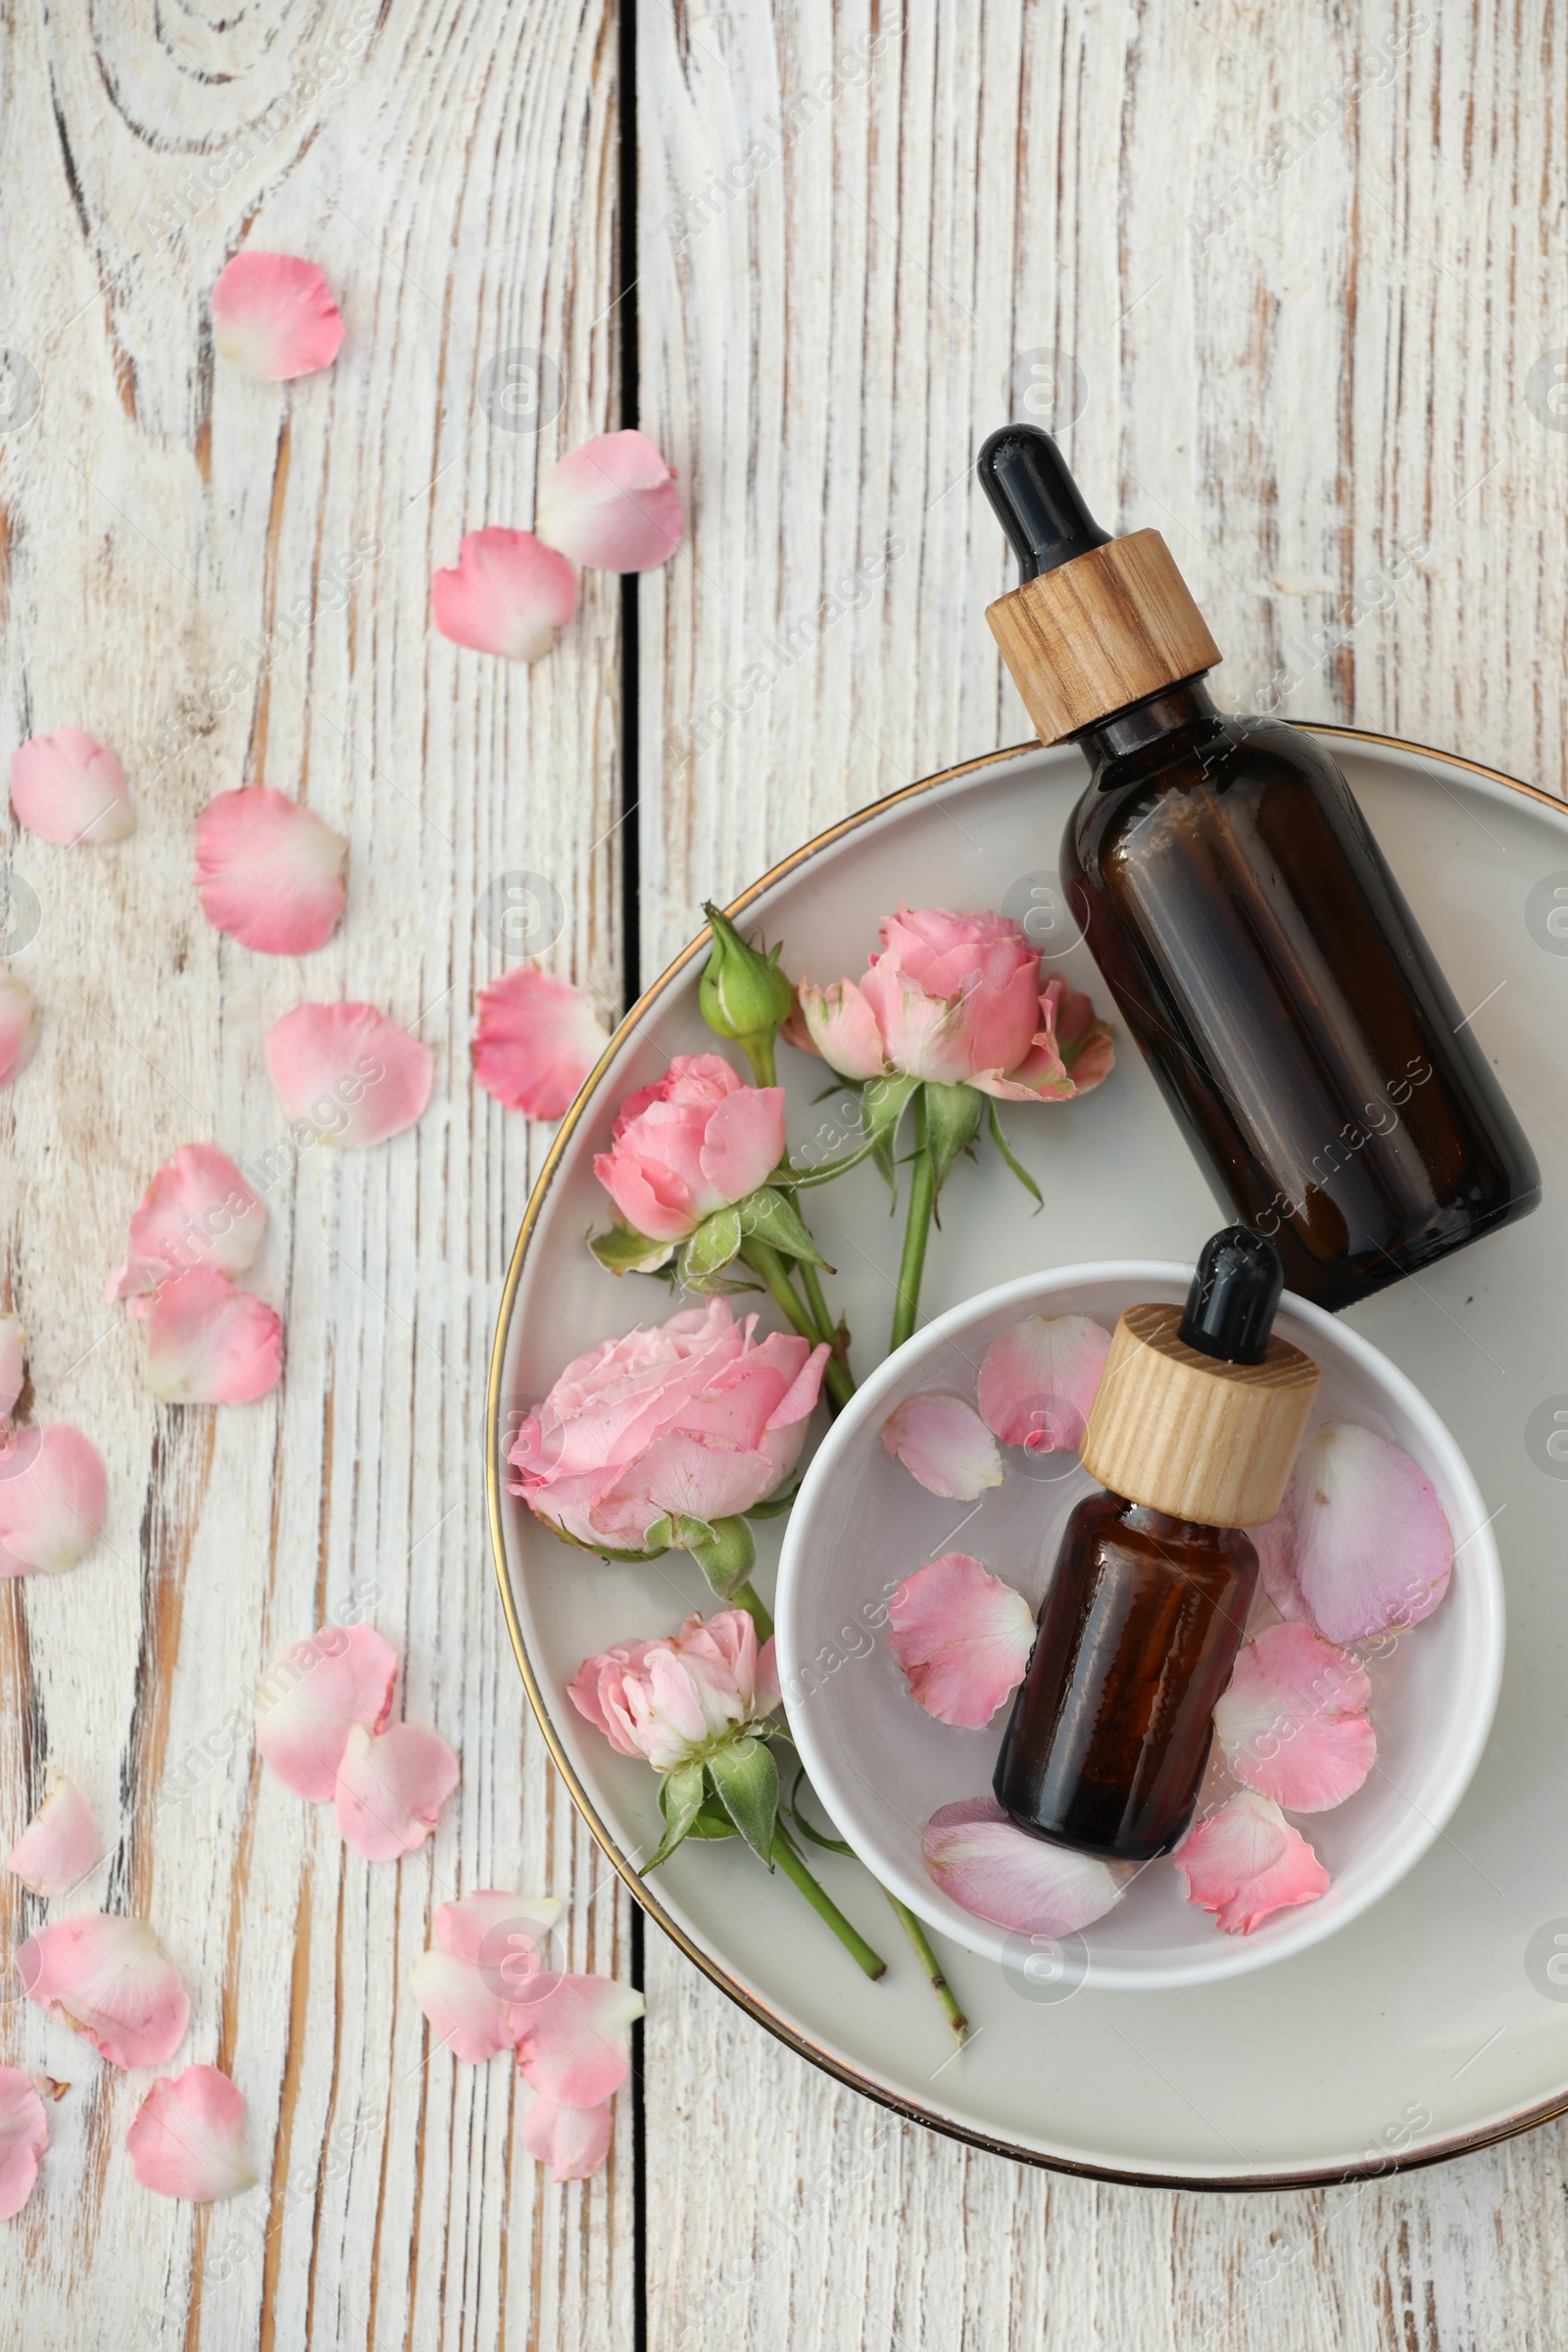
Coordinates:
810 249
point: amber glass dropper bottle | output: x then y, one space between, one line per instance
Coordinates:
1231 892
1193 1430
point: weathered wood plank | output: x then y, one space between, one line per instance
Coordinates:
230 580
1327 377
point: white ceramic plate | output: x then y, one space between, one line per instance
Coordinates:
1438 2020
882 1765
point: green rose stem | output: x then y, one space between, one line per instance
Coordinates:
746 1596
788 1861
764 1260
922 1200
916 1931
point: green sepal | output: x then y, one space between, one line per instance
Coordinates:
712 1821
951 1123
834 1845
744 1778
607 1552
724 1549
883 1102
715 1245
776 1220
1003 1146
775 1507
680 1800
624 1250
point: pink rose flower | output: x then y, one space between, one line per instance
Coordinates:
957 999
698 1140
671 1701
694 1419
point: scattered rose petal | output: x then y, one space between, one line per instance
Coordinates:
208 1343
273 316
391 1787
187 2137
269 872
943 1442
313 1696
492 1952
537 1040
962 1637
611 503
573 2037
23 2138
1038 1380
1245 1861
59 1844
508 594
67 787
572 2140
1293 1721
1361 1543
13 1366
52 1506
984 1861
110 1981
19 1027
197 1212
348 1072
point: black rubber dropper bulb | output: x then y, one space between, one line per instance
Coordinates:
1036 500
1230 1308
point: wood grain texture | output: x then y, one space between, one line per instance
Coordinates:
231 580
1291 280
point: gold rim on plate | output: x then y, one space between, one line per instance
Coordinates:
1458 2145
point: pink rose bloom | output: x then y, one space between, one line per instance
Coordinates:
698 1140
957 999
694 1419
672 1700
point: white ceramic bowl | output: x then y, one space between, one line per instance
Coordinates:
881 1766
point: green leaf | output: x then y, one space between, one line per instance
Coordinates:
883 1102
1022 1173
626 1251
744 1778
712 1821
834 1845
724 1550
951 1123
680 1799
776 1505
710 1249
776 1220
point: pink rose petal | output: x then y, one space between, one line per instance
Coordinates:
572 2140
13 1366
208 1343
1038 1380
573 2037
943 1442
197 1212
110 1981
19 1027
23 2138
611 503
463 2009
1361 1543
268 871
67 787
311 1699
391 1787
348 1072
273 316
502 1934
491 1955
1293 1721
984 1861
962 1637
59 1844
508 594
1245 1861
51 1507
537 1040
187 2137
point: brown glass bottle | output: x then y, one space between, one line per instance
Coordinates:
1137 1633
1258 946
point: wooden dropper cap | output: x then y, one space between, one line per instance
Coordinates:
1098 623
1200 1410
